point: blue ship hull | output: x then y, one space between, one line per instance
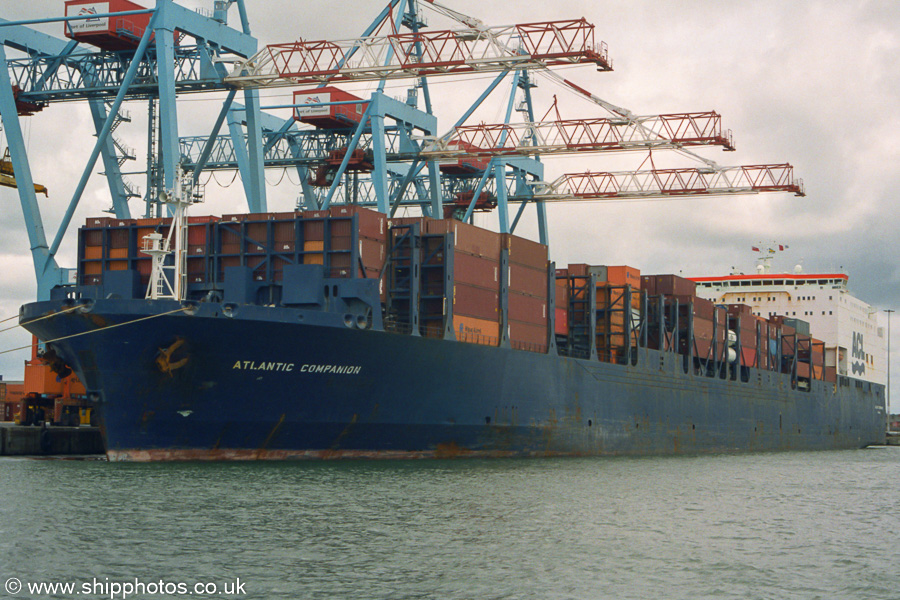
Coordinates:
262 382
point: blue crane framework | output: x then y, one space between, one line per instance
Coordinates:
184 52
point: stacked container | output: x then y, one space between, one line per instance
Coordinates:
476 278
528 287
562 302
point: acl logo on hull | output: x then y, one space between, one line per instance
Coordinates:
859 366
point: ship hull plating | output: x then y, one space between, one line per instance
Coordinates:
262 383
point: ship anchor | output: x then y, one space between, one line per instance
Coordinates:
164 359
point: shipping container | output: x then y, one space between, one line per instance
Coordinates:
371 223
669 285
799 325
476 331
577 270
527 309
528 336
474 270
472 301
528 280
561 325
467 238
624 275
562 292
523 251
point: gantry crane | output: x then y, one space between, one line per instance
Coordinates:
391 156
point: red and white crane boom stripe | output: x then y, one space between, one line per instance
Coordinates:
667 183
424 53
583 135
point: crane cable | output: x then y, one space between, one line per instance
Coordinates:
66 337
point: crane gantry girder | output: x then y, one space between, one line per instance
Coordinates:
307 147
79 76
418 54
76 73
666 183
583 135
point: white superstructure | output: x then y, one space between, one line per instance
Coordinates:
855 343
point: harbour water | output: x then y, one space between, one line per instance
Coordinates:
782 525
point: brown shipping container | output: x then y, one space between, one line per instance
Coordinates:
528 336
740 310
93 237
474 270
372 224
372 252
196 265
117 237
523 251
648 284
409 221
703 308
527 309
577 270
672 285
472 301
229 234
476 331
258 231
283 231
527 280
468 238
118 253
239 217
313 230
830 374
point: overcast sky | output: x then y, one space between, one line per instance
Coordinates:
811 83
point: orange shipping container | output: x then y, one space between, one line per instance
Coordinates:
477 331
93 252
624 275
562 322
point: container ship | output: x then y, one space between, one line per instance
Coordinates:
343 329
343 333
